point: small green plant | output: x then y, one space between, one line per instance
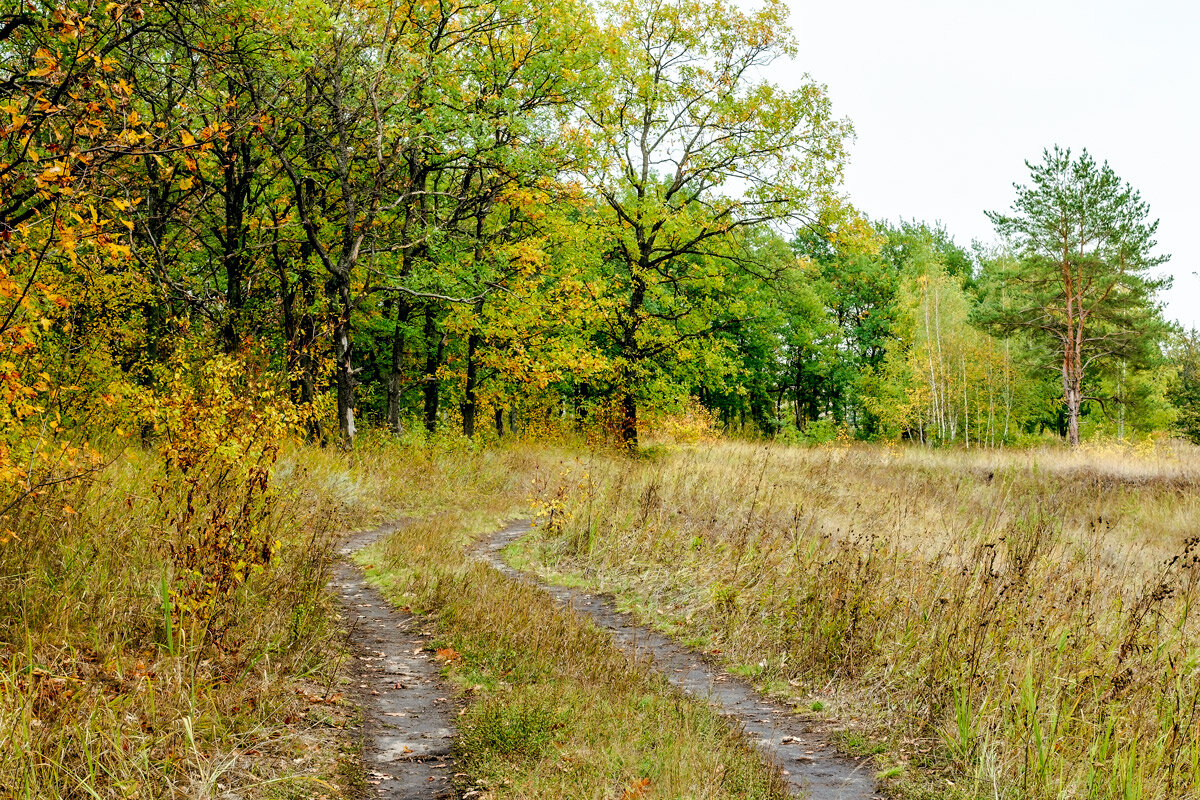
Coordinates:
889 774
857 744
518 727
964 737
748 670
725 597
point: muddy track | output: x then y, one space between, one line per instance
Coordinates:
812 767
408 719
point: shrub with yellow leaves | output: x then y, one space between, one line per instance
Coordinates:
219 433
689 423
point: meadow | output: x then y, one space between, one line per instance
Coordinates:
167 631
988 623
984 623
134 663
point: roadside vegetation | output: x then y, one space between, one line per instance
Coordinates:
165 624
1015 624
146 655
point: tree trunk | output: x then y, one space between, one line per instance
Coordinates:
470 403
287 302
433 359
499 423
1121 404
343 354
238 172
300 338
1073 376
1072 396
629 350
395 374
306 347
797 396
629 422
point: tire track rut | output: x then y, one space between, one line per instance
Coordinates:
408 722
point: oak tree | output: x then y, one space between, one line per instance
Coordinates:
689 148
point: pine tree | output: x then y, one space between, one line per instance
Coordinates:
1081 283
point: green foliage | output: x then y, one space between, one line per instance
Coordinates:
1080 286
523 727
943 380
681 117
542 217
1184 386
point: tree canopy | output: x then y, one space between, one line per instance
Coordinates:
416 215
1080 283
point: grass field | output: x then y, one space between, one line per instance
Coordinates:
1001 625
1013 624
106 690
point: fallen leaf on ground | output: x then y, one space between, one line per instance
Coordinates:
636 789
448 654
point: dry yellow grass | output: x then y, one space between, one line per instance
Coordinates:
1019 623
104 694
109 690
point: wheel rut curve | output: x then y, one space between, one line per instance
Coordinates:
409 721
811 766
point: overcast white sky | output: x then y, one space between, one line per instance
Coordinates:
949 98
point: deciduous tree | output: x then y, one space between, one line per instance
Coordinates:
690 148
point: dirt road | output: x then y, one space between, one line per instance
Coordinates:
408 724
812 767
408 716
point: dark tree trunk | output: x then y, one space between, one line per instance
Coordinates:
299 334
434 348
396 374
629 347
305 346
470 403
287 301
338 289
629 421
582 395
499 423
238 174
